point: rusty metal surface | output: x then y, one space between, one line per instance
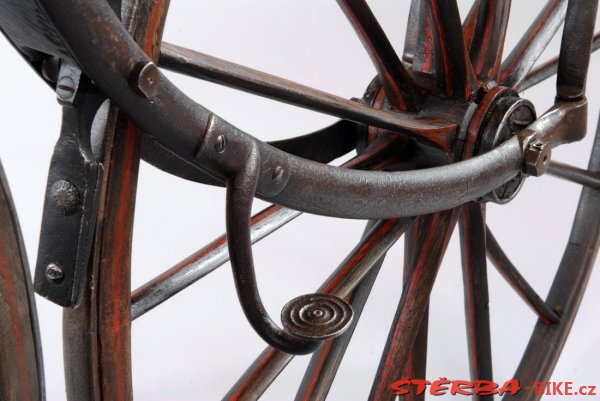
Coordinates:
434 132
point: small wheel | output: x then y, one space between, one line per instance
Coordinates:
451 99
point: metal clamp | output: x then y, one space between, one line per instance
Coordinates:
70 207
564 122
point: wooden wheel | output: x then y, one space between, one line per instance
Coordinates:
461 115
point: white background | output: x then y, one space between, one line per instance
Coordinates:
197 345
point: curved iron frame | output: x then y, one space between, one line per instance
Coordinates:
195 135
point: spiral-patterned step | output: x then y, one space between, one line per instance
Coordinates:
317 316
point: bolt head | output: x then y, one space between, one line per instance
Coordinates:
537 157
54 273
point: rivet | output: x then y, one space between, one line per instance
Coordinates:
145 78
220 143
65 196
54 273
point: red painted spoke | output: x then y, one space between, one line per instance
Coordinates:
471 22
417 359
486 32
453 68
325 362
206 260
575 47
259 376
434 232
472 239
517 281
357 265
516 66
398 84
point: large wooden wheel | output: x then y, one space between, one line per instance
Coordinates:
440 133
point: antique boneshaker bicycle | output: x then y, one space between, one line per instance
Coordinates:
440 132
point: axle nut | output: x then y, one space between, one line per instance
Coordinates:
537 157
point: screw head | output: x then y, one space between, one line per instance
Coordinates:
537 157
54 273
65 88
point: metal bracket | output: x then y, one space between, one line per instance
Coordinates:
565 122
308 319
71 203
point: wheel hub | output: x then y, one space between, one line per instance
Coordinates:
499 114
503 116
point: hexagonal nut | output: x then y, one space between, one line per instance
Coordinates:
537 157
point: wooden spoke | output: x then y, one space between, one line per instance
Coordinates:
419 44
374 244
203 262
259 375
434 231
398 84
517 281
453 68
97 334
215 254
470 23
516 66
325 362
472 239
212 69
568 287
417 360
549 68
485 35
574 58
